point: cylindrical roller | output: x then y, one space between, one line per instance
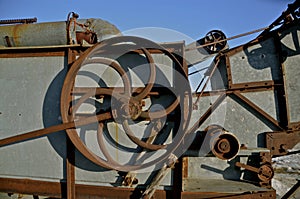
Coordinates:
223 144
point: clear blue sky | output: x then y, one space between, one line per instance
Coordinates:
193 18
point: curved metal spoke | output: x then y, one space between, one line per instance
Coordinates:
124 106
152 76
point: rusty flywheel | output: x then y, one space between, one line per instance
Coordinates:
121 104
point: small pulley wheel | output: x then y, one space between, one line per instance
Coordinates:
217 39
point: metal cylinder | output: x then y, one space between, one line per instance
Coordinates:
223 144
54 33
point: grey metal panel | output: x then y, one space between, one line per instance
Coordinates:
290 47
256 63
36 159
30 94
266 100
245 124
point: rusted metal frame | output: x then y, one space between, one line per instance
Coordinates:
16 53
280 142
228 70
229 91
245 85
254 89
177 179
28 186
284 117
177 171
100 192
262 85
257 109
70 160
271 194
56 189
259 84
39 51
290 10
70 170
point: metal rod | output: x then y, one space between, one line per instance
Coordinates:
22 21
52 129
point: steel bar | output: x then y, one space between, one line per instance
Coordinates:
14 21
208 112
52 129
291 9
70 170
259 84
291 193
282 94
207 80
56 189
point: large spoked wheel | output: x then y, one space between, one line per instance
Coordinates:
116 86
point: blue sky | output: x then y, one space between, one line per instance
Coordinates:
193 18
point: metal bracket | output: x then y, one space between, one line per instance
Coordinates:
280 142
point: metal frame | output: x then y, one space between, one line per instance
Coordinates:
278 142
